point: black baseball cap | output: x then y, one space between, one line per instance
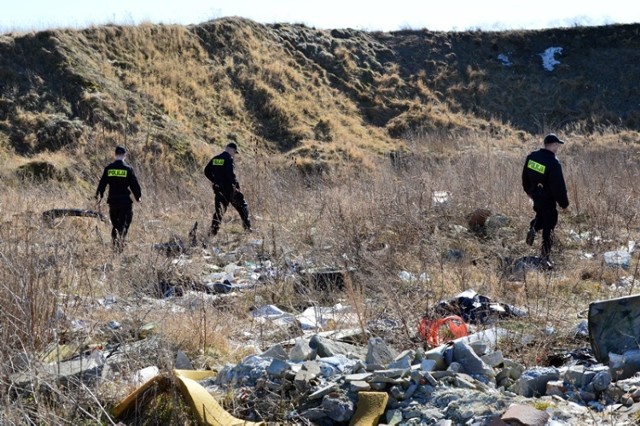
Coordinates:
232 145
552 138
120 150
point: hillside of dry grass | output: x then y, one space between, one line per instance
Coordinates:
314 98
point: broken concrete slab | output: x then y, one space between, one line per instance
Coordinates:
614 326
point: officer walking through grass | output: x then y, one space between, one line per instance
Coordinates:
226 188
122 182
543 182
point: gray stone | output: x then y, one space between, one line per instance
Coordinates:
408 393
339 409
393 417
359 385
378 352
525 415
493 359
397 393
575 375
277 368
471 362
395 373
555 387
534 382
455 367
300 351
275 351
312 367
437 355
479 347
323 391
515 369
428 364
601 380
302 379
378 386
327 348
357 377
402 361
183 362
429 378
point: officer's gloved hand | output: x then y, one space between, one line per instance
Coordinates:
236 187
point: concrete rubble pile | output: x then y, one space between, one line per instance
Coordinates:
467 381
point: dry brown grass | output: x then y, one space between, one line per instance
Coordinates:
381 223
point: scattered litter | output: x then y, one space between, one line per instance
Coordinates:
440 197
548 58
475 308
505 60
441 330
618 258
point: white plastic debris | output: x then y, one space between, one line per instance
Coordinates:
504 59
548 58
140 377
441 197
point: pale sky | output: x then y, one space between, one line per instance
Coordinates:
370 15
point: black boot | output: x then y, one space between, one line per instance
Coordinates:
531 235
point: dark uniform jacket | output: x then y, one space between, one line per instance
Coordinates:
543 181
120 178
220 172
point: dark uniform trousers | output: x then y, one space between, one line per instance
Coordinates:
224 197
546 220
121 215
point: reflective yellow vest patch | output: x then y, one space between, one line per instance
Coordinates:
537 167
218 161
117 173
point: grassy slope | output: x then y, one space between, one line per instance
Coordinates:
299 94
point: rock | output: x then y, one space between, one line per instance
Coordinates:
325 390
601 380
379 353
427 364
338 408
493 359
471 363
555 387
534 382
525 415
277 368
326 348
300 351
403 360
393 417
357 377
358 386
275 351
183 362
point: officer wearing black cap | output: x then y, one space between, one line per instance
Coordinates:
226 188
543 182
122 182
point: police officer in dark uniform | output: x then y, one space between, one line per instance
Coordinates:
122 181
226 188
543 182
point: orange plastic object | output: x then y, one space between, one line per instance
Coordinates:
442 330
